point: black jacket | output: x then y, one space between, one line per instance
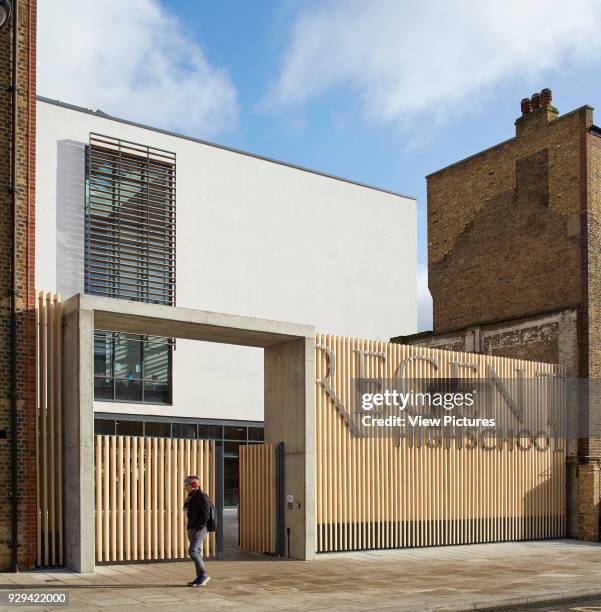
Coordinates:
197 506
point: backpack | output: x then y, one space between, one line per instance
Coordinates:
212 520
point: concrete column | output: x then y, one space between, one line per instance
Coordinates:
290 418
78 393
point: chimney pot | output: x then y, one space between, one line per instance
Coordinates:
546 97
535 101
525 105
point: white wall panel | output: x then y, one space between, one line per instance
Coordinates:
254 238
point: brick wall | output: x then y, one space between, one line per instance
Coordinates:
587 509
591 333
504 234
26 288
514 246
550 338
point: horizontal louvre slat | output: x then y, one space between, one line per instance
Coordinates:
129 185
104 198
109 144
107 261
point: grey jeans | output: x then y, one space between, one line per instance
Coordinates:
196 538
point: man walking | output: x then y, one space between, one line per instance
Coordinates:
198 509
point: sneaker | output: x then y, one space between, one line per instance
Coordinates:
192 582
200 582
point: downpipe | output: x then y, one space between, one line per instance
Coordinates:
13 300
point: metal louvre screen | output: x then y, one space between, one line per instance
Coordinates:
130 221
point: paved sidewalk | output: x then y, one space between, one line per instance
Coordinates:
457 577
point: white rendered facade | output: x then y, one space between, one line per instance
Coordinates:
255 238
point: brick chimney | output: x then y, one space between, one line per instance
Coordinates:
536 111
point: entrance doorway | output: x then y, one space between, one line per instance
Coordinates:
289 403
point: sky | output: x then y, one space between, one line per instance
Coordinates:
377 91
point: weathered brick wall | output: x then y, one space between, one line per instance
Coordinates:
26 288
503 226
550 338
591 334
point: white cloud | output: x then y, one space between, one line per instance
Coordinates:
424 301
130 58
405 57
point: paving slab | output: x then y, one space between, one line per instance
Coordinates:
451 578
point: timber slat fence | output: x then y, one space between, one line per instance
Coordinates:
381 492
372 492
140 496
257 510
49 445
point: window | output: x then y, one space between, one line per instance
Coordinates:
158 429
230 481
130 221
130 254
220 432
132 368
104 427
230 449
234 433
184 430
255 434
130 428
210 432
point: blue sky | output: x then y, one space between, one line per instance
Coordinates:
380 91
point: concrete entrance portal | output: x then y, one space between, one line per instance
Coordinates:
288 389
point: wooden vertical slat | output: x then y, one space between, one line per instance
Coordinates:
134 498
175 501
161 487
59 426
181 532
113 497
155 498
106 479
127 499
120 491
44 432
50 406
168 500
141 500
148 508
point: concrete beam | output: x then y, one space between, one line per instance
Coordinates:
175 322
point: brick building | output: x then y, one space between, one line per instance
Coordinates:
24 18
514 262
